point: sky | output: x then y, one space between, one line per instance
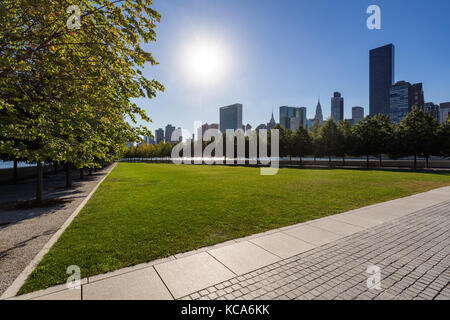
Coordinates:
269 53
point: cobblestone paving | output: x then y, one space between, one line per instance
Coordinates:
413 253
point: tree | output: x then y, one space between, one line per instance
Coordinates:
66 93
443 136
329 139
418 132
346 140
316 147
384 133
302 143
371 135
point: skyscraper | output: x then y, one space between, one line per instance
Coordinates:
289 113
231 117
433 110
381 78
159 135
337 107
168 135
272 123
357 114
444 111
319 115
403 96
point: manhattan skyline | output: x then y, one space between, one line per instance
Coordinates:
290 53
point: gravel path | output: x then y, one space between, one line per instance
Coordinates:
23 233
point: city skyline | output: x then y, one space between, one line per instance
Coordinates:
297 65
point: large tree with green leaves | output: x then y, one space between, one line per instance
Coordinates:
66 94
329 139
418 133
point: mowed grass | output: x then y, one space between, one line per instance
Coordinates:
143 212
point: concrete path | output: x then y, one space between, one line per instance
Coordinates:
327 258
25 232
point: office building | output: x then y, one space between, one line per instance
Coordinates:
289 113
201 131
433 110
159 135
381 78
272 123
444 110
149 140
231 117
357 114
337 107
168 134
403 97
319 115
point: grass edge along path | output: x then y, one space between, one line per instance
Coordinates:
143 212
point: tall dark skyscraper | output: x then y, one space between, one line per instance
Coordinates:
382 77
337 107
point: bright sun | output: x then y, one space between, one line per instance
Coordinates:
206 62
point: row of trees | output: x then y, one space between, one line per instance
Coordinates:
418 135
66 93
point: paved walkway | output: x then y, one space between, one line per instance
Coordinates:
24 232
408 239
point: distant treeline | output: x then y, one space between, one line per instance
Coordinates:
417 135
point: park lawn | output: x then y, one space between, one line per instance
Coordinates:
143 212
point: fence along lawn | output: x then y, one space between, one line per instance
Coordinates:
144 211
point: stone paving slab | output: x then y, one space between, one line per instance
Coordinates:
243 257
143 284
282 244
192 273
313 235
336 226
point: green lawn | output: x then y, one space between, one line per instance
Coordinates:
143 212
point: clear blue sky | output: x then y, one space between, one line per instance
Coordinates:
290 52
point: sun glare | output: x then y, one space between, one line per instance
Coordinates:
206 62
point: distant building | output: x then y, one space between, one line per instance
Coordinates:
261 127
351 122
289 113
357 114
272 123
168 134
310 123
231 117
159 135
337 107
248 127
381 78
149 140
319 115
201 131
444 111
433 110
403 96
294 123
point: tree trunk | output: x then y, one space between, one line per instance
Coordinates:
343 161
381 161
415 162
16 172
81 173
55 167
329 161
301 161
427 162
68 175
39 182
367 162
90 171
